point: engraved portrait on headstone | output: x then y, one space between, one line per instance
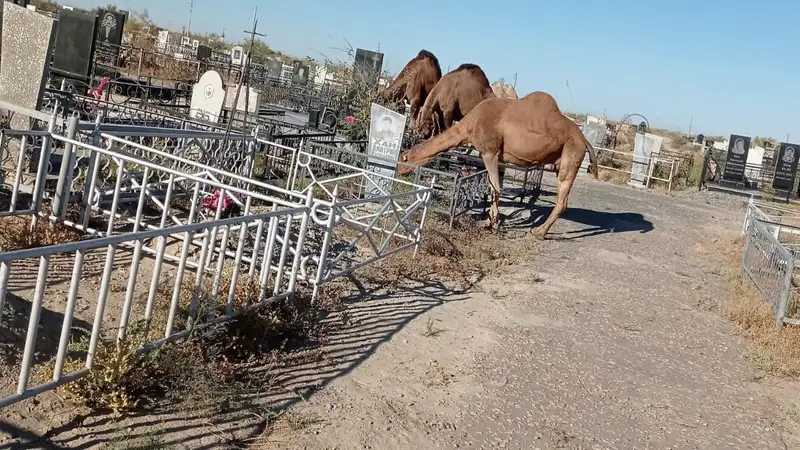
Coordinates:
736 159
384 139
785 167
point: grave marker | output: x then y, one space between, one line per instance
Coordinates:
74 48
786 167
108 40
645 147
28 39
253 101
368 66
384 140
736 159
208 96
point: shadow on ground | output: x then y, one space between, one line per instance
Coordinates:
355 333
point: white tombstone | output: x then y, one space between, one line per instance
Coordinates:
645 147
237 55
253 100
208 96
384 139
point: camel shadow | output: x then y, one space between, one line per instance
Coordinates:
369 319
595 222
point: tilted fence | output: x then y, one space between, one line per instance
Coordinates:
769 257
204 234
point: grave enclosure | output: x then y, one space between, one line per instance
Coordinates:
176 203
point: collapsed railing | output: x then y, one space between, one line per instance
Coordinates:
769 257
246 230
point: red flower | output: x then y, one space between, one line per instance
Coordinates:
211 201
350 119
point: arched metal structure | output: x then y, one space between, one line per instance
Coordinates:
627 119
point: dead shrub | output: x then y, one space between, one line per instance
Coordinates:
202 370
16 233
774 349
463 255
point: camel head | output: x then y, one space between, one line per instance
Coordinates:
405 169
426 127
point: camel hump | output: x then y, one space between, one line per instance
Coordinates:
468 67
425 54
542 100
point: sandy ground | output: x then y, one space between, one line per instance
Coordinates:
609 337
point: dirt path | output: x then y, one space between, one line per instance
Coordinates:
604 340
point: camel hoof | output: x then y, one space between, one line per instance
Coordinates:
538 234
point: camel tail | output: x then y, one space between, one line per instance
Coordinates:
592 159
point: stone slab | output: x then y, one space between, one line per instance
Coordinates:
28 39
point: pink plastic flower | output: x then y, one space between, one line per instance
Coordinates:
350 119
212 200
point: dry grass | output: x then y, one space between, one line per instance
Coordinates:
773 349
463 255
16 233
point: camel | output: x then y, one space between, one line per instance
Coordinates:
525 132
452 99
414 82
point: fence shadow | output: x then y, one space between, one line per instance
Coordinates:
354 334
14 328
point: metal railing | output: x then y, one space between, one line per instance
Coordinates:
769 258
248 232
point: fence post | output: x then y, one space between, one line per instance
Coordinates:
786 291
427 200
2 146
703 170
300 239
41 172
64 186
326 241
88 187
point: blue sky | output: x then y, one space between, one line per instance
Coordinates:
728 67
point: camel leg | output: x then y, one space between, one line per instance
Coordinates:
566 176
447 118
492 163
415 105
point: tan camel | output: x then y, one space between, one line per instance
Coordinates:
526 132
452 99
414 82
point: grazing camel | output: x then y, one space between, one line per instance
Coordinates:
414 82
526 132
452 99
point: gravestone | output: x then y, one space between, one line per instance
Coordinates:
108 40
253 101
700 139
786 167
237 55
368 66
736 159
74 48
274 68
300 73
594 132
645 146
208 96
384 139
28 38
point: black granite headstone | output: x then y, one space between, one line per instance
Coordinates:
108 39
74 48
786 167
368 66
203 52
300 73
700 139
736 160
274 68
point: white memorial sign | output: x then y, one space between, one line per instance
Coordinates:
208 96
384 140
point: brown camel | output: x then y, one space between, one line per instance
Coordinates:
452 99
526 132
414 82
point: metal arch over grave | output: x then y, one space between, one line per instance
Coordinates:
208 96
